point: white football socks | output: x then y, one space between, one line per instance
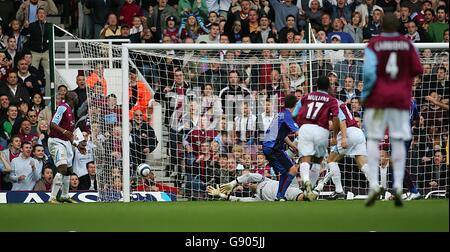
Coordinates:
56 186
314 174
65 187
398 162
336 177
304 171
373 155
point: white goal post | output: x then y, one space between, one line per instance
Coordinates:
126 48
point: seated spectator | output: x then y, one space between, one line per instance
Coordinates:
137 30
45 183
235 33
111 30
349 91
5 168
291 26
282 11
264 31
373 28
37 103
4 104
350 66
262 167
172 30
89 181
26 171
296 77
15 92
10 123
157 18
266 117
32 117
74 182
11 52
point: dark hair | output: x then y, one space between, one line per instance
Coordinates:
441 8
26 142
214 24
37 145
290 101
88 163
290 15
390 23
323 83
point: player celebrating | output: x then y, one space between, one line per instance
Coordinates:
351 142
387 95
315 110
274 145
60 146
265 189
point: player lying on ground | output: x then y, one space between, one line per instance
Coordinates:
265 189
351 142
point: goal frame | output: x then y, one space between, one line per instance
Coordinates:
125 81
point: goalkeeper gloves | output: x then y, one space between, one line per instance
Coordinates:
228 187
215 192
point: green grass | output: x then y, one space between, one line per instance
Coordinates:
422 215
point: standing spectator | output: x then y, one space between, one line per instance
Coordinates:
389 6
232 95
157 20
354 28
266 117
264 31
191 28
338 26
128 11
82 155
373 28
245 125
436 29
143 140
4 104
25 133
5 168
28 9
291 26
45 183
89 181
405 14
314 13
37 103
15 32
342 9
282 10
96 77
82 94
11 51
11 122
325 21
349 67
26 79
100 11
366 9
419 16
11 153
15 92
416 34
38 37
212 37
185 6
139 95
26 170
32 117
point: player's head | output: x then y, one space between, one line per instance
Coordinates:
72 99
390 23
323 83
290 101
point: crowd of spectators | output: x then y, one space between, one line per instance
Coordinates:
215 113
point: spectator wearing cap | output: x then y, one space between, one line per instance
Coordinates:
374 27
282 10
171 30
157 20
128 11
338 26
341 9
335 56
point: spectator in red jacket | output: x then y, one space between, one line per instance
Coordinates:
129 10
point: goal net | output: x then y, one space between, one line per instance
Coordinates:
197 113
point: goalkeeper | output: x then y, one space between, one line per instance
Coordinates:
266 189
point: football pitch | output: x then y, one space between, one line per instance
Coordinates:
208 216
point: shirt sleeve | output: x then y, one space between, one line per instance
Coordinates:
59 115
341 115
290 122
370 72
297 108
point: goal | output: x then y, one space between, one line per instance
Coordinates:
196 113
